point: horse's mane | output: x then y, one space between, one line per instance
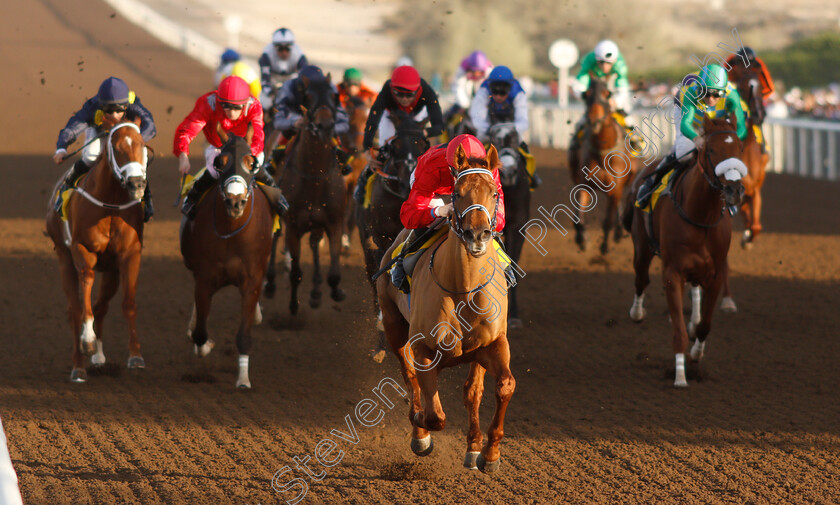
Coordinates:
595 87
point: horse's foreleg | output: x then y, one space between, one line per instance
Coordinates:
129 272
642 256
202 294
473 389
747 210
250 292
609 219
432 416
295 273
755 227
70 284
85 265
580 226
334 274
314 241
270 285
701 331
108 286
496 358
674 284
727 304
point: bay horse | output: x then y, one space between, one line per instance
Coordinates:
594 160
692 229
228 243
379 224
750 88
357 112
456 313
517 189
316 192
103 233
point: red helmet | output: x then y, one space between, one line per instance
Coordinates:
472 147
233 89
405 77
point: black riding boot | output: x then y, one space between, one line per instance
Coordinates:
79 169
398 275
652 180
148 209
272 192
359 193
200 186
344 159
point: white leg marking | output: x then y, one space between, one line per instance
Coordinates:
205 349
345 241
637 311
243 381
379 325
191 326
679 379
696 299
99 357
727 304
697 350
287 260
88 336
258 314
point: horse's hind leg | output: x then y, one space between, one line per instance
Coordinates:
110 282
473 389
642 256
203 295
496 358
609 221
70 284
129 271
270 285
334 274
315 296
295 273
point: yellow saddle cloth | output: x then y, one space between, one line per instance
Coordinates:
657 193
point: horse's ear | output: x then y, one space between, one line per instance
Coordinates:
461 159
329 76
137 120
707 123
493 162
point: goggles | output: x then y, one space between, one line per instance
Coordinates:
283 47
115 108
716 93
404 93
501 88
232 106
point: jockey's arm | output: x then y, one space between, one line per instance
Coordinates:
460 89
581 82
733 105
76 125
255 117
148 130
374 116
479 112
287 110
342 123
189 128
520 113
436 125
265 72
769 87
687 119
416 211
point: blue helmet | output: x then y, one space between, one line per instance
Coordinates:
501 73
312 73
113 90
230 55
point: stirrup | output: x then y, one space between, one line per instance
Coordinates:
398 277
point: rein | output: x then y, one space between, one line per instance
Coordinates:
434 278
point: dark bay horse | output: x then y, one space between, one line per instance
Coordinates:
379 224
357 113
457 314
517 190
316 192
228 243
104 233
692 229
750 88
601 163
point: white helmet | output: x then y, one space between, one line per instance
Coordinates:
283 36
404 61
607 51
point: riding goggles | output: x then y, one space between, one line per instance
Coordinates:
283 47
232 106
404 93
115 108
500 88
717 93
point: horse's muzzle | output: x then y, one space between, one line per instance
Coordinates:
136 186
476 241
235 205
733 193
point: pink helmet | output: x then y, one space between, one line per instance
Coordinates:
233 89
477 61
472 147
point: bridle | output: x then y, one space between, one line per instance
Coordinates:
121 172
457 218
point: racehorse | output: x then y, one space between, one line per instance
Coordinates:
517 190
228 243
691 230
457 314
103 232
316 192
357 112
595 165
750 89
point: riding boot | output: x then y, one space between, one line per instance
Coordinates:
274 161
148 209
200 186
359 193
272 192
652 180
398 275
79 168
344 159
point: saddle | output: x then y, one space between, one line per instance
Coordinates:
662 189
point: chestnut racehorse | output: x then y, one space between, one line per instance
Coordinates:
595 165
228 243
103 232
456 313
692 230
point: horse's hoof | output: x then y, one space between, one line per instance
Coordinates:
488 466
269 289
89 348
338 294
515 323
205 348
136 362
697 350
470 460
315 302
637 315
422 446
379 325
680 383
243 384
605 248
378 356
78 375
728 305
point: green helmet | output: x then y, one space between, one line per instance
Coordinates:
352 75
714 77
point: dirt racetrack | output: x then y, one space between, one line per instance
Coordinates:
594 418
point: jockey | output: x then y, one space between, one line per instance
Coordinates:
279 62
747 53
112 103
709 95
232 64
433 176
405 91
501 99
474 69
352 85
231 108
289 118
